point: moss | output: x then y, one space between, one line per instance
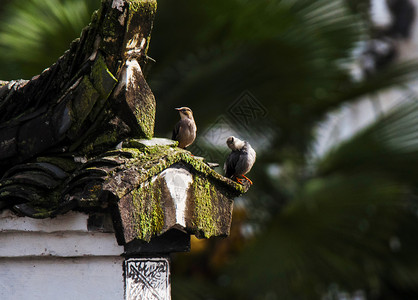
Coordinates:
95 17
82 105
107 138
146 116
143 6
154 159
147 214
43 205
5 182
93 190
146 10
136 153
5 194
103 80
109 29
66 164
204 193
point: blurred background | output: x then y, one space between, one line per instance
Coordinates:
325 91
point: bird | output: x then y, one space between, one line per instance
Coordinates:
185 130
240 161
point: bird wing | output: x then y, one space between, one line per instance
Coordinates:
176 132
242 165
231 163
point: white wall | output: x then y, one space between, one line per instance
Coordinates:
67 278
58 259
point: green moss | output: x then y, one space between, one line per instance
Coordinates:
136 153
5 194
94 191
147 214
105 139
146 116
43 204
103 80
109 29
154 159
5 182
66 164
144 10
204 192
143 6
81 106
95 17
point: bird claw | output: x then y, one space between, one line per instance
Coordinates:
240 180
248 179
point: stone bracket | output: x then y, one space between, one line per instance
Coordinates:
147 278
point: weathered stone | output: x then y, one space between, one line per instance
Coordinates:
72 103
171 241
136 101
168 188
90 110
149 143
8 144
122 177
147 278
178 197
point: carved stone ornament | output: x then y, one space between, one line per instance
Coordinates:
147 278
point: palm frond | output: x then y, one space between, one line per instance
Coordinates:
290 54
390 146
346 224
34 34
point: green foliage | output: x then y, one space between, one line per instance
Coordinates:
337 222
347 223
291 55
33 34
285 52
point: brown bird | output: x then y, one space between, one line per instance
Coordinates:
240 161
185 130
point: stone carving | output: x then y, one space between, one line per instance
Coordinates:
147 278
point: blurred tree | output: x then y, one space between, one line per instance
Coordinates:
33 34
344 222
318 230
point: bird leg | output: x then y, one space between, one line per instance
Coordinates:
249 180
240 180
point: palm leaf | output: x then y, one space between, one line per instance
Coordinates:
34 34
348 223
289 54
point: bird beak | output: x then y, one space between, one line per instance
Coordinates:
177 108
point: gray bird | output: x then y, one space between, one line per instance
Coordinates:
185 130
240 161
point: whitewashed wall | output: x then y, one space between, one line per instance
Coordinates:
58 259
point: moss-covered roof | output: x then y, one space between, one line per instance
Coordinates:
92 98
54 185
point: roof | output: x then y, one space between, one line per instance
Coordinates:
146 184
94 98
